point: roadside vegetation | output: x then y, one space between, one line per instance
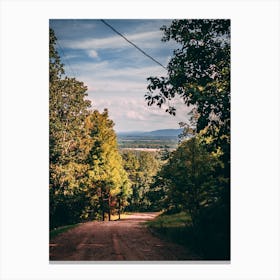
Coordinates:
87 177
164 220
196 177
59 230
177 228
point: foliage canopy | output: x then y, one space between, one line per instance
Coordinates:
86 172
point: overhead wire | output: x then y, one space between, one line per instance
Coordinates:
121 35
134 45
66 59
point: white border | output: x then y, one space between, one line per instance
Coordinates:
24 138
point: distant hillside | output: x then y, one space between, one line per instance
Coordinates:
130 133
164 132
154 133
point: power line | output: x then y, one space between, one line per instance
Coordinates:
66 59
111 27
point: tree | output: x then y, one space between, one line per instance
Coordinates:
87 178
199 73
55 66
189 178
149 166
107 177
141 167
68 109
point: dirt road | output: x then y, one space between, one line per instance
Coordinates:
127 239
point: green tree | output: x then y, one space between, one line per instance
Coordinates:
189 178
199 73
87 178
86 173
68 109
55 66
107 177
190 181
141 167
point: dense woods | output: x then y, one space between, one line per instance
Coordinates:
87 178
196 177
141 168
90 177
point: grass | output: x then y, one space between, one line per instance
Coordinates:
57 231
170 221
209 241
176 228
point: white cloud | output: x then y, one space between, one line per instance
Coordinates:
93 53
147 38
104 82
118 81
108 88
105 71
122 92
134 115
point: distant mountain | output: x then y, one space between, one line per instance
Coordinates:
130 133
154 133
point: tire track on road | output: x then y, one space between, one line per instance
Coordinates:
124 240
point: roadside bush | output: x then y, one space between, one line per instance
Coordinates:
212 232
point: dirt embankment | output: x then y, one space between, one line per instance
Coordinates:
127 239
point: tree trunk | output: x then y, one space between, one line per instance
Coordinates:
119 208
102 206
109 209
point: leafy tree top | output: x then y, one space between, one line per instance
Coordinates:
198 72
55 65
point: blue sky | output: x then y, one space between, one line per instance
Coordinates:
115 72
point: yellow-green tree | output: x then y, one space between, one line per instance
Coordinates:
107 179
86 174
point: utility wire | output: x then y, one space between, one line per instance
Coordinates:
66 59
63 54
111 27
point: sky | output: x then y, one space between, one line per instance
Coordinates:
115 72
